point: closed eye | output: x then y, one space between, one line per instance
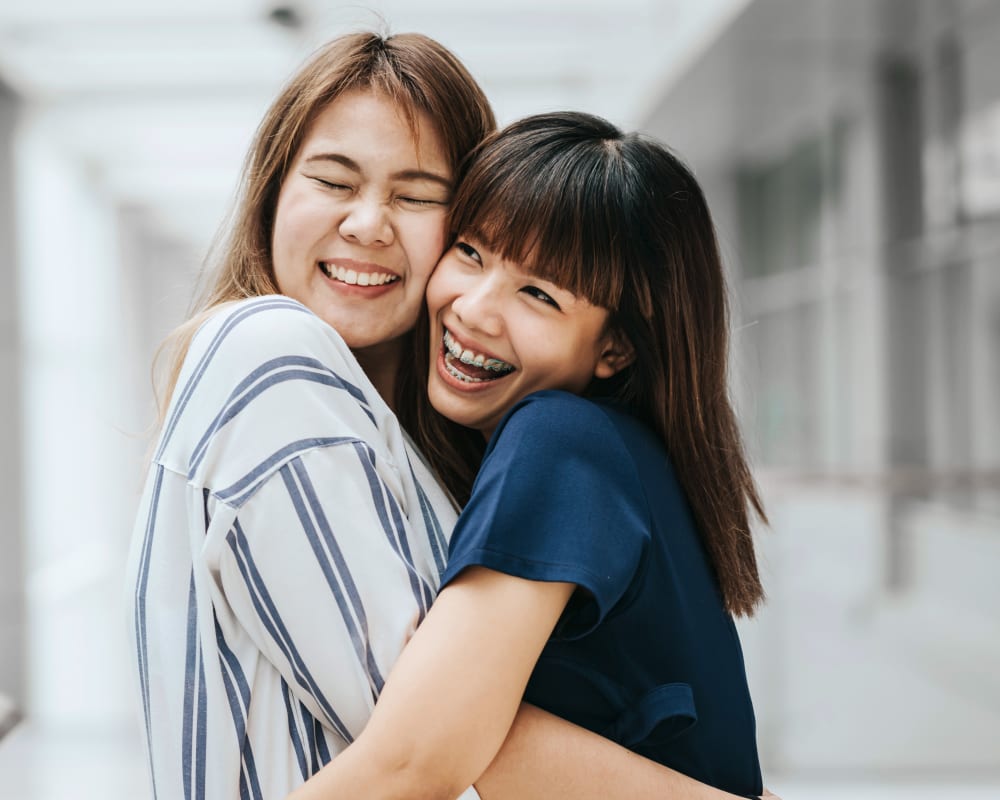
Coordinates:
331 184
535 292
416 201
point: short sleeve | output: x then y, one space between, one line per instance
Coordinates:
557 499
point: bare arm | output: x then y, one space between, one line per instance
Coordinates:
452 696
545 757
451 700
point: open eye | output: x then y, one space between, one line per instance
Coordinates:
535 292
469 252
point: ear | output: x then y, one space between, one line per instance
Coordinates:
617 353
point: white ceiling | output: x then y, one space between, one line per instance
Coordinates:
160 97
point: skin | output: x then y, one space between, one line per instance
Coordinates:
466 649
364 195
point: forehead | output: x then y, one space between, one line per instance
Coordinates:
369 127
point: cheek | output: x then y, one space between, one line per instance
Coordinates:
437 289
291 227
281 255
303 213
558 354
423 240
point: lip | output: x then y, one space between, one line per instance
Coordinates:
467 344
359 267
461 386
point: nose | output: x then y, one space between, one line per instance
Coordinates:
479 306
366 222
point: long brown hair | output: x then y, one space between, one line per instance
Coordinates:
417 73
619 219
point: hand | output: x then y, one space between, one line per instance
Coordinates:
769 793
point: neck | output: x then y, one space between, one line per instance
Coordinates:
381 364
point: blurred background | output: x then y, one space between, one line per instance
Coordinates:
851 152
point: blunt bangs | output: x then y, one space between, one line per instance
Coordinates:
557 199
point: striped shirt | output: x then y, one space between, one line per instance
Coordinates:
288 541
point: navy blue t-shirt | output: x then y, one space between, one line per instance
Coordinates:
645 654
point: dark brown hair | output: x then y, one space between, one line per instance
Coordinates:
620 220
415 72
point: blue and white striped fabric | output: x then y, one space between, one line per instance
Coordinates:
289 540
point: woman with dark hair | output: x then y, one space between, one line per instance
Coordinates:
579 322
291 535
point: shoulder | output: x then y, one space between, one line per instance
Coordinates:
559 423
262 373
248 340
265 325
554 416
554 437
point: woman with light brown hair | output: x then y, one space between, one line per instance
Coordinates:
291 534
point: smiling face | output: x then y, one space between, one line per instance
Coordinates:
360 221
499 333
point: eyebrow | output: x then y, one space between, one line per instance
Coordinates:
402 175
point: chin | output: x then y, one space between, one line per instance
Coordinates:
447 408
439 400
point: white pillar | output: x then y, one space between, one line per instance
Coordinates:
12 622
81 434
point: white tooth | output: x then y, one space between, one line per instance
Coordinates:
462 376
341 273
351 279
377 280
479 361
468 356
363 279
